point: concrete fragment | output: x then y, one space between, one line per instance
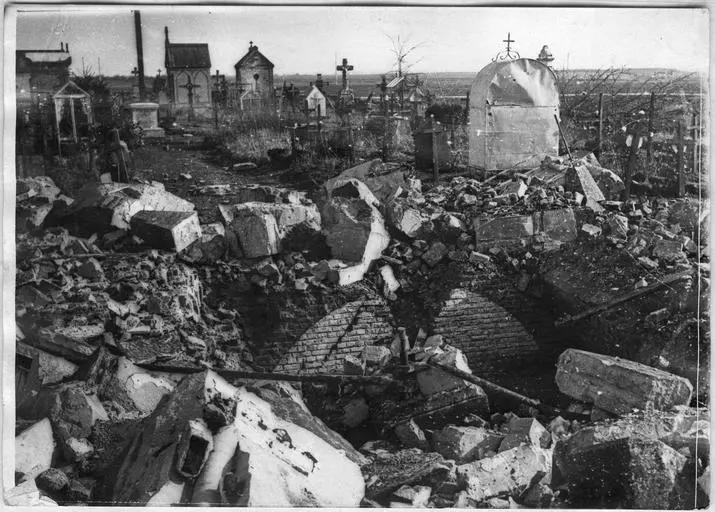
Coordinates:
466 444
524 430
618 385
171 231
411 435
34 447
509 473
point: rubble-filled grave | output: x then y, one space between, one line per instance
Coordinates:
375 342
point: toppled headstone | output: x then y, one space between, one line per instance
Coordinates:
559 225
172 231
579 179
466 444
618 385
383 183
503 231
668 250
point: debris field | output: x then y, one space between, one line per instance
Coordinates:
525 340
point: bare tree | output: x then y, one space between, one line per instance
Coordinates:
402 48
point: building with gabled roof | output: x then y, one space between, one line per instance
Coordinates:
188 70
254 72
41 71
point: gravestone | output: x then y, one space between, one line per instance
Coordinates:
146 116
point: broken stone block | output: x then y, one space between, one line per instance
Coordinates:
91 269
503 231
27 495
377 355
656 317
435 380
630 472
244 166
618 385
34 447
135 388
618 224
417 496
382 182
436 252
171 231
411 435
450 407
354 229
591 230
668 250
579 179
391 471
257 233
52 481
77 449
559 225
353 366
466 444
101 208
388 276
407 219
355 412
351 219
47 368
74 343
610 184
647 263
524 430
509 473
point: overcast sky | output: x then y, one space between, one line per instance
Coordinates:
309 39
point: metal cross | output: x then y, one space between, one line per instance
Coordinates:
508 41
345 68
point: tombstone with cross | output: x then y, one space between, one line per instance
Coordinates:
346 100
189 86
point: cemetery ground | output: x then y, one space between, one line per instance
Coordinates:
256 321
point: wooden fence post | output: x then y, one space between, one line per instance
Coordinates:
649 147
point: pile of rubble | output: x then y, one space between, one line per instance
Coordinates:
132 390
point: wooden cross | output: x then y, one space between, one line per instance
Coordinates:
135 72
345 68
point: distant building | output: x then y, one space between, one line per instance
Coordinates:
188 68
41 71
254 77
316 102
